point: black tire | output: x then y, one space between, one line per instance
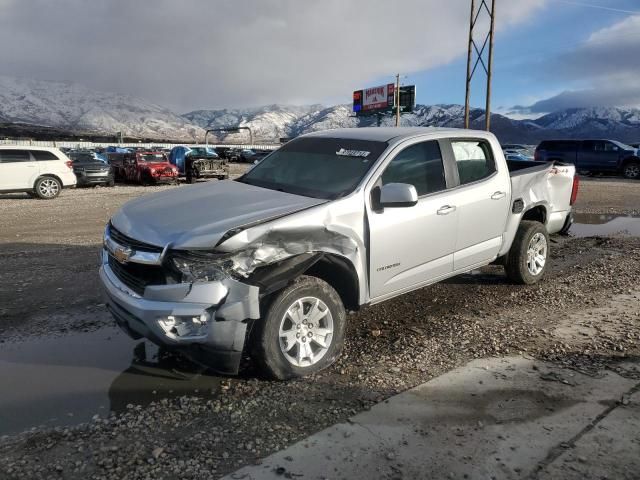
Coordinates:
110 183
631 170
190 178
517 265
47 188
266 341
146 179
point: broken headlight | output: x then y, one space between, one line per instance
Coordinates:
202 267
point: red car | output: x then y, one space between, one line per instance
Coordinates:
147 168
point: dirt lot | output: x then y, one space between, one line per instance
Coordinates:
188 424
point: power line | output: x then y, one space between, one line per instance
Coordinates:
599 7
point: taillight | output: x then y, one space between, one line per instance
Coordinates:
69 164
574 189
536 156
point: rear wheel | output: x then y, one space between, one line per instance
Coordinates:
47 188
302 331
631 170
526 261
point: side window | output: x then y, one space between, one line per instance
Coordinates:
419 165
14 156
610 147
43 155
588 146
473 159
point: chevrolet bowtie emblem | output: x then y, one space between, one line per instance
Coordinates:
122 254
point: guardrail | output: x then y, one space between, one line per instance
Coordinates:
89 145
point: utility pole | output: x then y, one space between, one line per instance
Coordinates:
397 100
486 65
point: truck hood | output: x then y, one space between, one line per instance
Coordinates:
198 216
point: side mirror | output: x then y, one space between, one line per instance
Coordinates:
398 195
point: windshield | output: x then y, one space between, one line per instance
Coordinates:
152 157
202 152
325 168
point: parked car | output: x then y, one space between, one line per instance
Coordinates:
39 171
143 167
198 162
90 169
518 155
330 222
593 156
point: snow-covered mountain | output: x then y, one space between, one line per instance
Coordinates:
277 121
76 108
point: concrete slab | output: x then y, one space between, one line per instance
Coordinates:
493 418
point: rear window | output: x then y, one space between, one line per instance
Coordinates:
473 159
43 155
14 156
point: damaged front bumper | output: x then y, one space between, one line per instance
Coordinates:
207 321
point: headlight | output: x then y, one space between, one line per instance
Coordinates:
202 267
152 170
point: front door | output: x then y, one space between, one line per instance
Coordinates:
598 156
410 246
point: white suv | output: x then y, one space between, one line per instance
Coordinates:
39 171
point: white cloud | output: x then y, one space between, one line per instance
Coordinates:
606 67
206 53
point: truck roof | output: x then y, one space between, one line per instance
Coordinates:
386 134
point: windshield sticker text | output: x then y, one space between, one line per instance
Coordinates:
352 153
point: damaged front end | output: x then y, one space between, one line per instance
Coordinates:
179 300
204 301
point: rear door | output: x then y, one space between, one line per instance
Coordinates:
482 200
48 162
410 246
18 169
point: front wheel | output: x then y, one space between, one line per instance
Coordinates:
631 170
47 188
302 331
526 261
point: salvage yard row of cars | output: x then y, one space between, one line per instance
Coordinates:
43 172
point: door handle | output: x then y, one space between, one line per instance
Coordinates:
498 195
446 210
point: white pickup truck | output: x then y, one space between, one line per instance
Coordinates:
267 265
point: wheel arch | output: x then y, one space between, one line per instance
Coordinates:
45 175
536 213
334 269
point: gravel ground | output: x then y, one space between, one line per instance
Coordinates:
585 315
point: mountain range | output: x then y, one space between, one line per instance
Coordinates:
33 105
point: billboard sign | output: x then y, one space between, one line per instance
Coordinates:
374 99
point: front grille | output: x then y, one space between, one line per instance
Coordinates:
137 276
125 241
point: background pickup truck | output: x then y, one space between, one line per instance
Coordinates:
607 156
198 162
332 221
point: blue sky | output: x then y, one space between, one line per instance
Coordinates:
524 56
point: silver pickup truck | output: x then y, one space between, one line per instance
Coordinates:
268 264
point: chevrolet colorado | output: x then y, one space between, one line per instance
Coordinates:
269 264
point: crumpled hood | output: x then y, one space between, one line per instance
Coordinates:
198 216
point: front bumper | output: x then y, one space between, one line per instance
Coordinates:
93 179
228 303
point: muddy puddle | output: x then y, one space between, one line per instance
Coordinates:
595 224
68 379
